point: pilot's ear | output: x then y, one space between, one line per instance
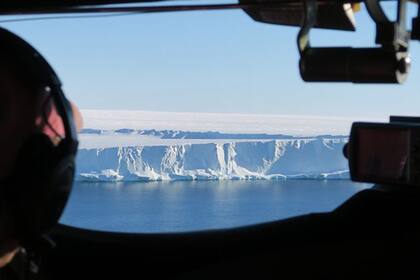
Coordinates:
77 117
8 252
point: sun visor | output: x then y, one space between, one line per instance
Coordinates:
330 16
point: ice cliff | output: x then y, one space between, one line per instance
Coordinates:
317 158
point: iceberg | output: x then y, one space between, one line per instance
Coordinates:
278 159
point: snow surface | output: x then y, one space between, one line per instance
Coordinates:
221 122
98 138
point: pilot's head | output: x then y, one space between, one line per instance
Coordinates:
30 120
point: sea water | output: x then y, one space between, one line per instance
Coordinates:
179 206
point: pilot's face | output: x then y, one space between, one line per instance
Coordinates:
22 114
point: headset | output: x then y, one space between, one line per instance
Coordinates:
41 181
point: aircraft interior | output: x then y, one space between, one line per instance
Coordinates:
373 235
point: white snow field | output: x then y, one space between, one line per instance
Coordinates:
221 122
148 146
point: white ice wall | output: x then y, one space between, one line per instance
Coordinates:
274 159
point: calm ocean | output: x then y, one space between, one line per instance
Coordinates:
199 205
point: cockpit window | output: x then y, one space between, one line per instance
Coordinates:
196 121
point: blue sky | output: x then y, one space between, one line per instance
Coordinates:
207 62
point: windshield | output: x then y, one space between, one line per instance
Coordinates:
200 120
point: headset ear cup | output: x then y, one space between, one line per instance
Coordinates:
61 183
40 186
31 184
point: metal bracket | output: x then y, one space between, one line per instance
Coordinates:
310 11
389 63
415 32
389 33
